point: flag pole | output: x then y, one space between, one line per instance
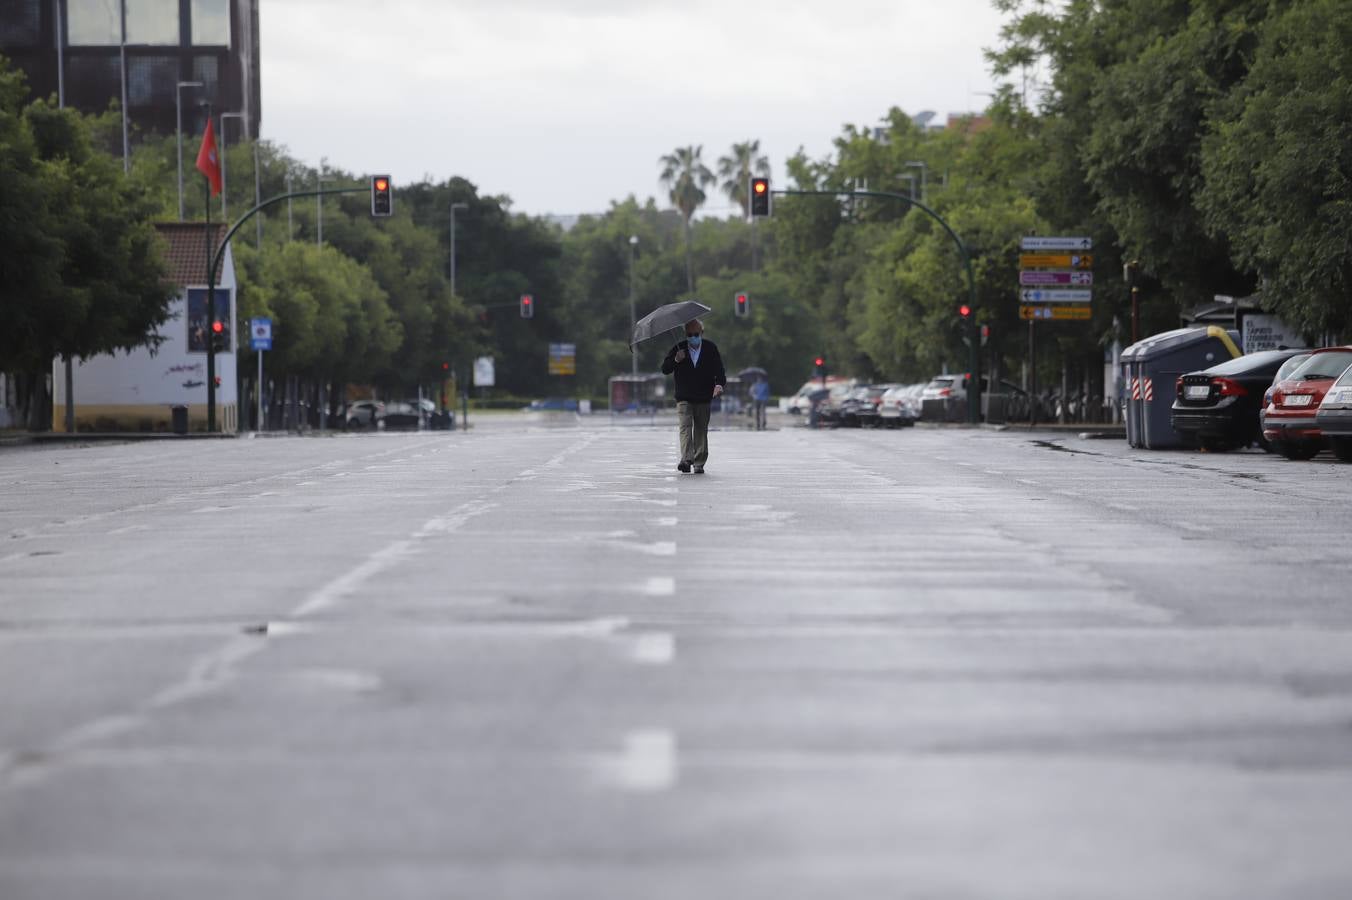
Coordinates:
211 310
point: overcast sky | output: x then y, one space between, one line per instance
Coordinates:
566 105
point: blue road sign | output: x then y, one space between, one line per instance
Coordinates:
260 334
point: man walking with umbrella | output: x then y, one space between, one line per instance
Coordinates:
700 378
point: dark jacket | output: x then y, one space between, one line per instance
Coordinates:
695 384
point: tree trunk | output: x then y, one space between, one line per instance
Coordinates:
689 259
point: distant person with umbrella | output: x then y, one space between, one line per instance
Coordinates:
698 369
760 392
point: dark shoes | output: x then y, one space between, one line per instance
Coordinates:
683 466
699 471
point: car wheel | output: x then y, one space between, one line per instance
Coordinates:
1264 443
1300 451
1342 448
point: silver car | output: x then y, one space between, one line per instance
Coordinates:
1335 416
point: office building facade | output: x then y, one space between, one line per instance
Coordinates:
75 47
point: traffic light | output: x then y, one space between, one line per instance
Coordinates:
527 306
820 363
965 312
760 197
985 335
220 341
741 305
382 196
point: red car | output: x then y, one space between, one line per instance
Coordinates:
1289 421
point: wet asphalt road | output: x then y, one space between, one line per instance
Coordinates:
532 662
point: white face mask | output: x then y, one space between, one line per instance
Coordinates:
695 340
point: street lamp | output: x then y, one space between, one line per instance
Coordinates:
633 312
924 178
909 179
126 126
320 178
245 124
178 103
454 207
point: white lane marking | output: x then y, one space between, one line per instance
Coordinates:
1026 481
658 548
208 672
660 586
1124 507
668 521
993 472
1188 526
304 483
654 648
648 763
128 529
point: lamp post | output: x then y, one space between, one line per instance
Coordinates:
289 227
454 207
178 110
633 312
320 178
245 123
126 127
924 178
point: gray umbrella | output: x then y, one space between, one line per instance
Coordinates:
664 319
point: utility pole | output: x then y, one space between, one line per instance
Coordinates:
633 309
454 207
126 128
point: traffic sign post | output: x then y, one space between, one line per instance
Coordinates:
563 359
1055 285
260 340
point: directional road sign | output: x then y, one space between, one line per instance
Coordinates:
1039 278
563 359
260 334
1056 243
1055 313
1056 261
1055 295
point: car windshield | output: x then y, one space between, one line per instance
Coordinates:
1290 366
1345 380
941 383
1323 366
1252 364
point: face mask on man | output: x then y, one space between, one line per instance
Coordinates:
694 340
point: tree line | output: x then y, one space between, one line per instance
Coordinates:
1207 143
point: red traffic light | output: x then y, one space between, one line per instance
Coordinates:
741 299
382 184
525 301
217 327
819 362
965 311
759 186
445 366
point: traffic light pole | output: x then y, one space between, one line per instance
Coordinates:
214 262
974 391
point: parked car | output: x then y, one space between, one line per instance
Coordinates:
403 416
860 409
1282 374
900 406
1334 417
1218 408
1289 422
801 402
363 415
830 409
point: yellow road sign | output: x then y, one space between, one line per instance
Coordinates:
1059 313
1056 260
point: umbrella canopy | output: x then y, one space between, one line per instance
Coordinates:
755 372
664 319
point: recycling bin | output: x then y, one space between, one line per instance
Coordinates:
178 419
1151 369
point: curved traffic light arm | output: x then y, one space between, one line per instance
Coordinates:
973 394
214 258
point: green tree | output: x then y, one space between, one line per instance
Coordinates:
685 176
1276 166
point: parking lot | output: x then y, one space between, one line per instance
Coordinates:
531 660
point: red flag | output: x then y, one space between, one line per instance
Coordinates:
208 163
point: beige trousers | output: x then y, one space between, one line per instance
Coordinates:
694 418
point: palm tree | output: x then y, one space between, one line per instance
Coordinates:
686 176
736 169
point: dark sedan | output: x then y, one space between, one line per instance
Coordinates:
1218 408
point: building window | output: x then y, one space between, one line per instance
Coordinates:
93 23
151 80
211 23
152 22
20 23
